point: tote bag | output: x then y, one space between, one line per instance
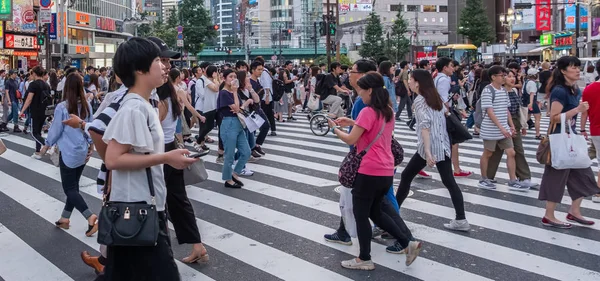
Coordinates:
253 121
347 210
568 150
313 102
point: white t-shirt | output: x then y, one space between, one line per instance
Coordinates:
200 86
210 97
130 126
531 87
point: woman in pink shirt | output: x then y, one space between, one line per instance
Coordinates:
375 124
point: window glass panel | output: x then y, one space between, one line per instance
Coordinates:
412 8
396 8
429 8
99 48
443 9
110 48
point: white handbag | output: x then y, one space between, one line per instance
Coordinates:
253 122
346 208
568 150
313 102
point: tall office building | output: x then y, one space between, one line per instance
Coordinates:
222 13
153 8
167 6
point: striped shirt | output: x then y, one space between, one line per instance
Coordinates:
101 121
434 120
498 101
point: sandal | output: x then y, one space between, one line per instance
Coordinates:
92 228
63 225
201 259
209 140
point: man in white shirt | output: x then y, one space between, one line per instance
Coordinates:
442 83
267 105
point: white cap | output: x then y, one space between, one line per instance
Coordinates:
532 71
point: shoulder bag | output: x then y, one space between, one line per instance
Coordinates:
351 162
397 151
195 173
569 150
542 154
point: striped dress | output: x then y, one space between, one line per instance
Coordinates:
434 120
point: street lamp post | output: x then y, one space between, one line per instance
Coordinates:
508 20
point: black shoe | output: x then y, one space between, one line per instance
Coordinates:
291 118
4 129
259 150
255 154
188 140
235 185
238 182
273 134
17 130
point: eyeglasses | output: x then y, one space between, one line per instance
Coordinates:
356 72
503 75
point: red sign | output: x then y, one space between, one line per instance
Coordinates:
543 14
563 41
28 16
106 24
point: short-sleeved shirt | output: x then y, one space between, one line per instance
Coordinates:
442 85
500 104
210 97
514 102
224 100
434 120
379 160
591 94
267 83
530 87
330 82
11 86
136 123
257 87
41 91
569 98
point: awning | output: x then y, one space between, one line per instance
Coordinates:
539 49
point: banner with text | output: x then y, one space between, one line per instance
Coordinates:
543 11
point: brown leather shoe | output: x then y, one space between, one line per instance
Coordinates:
92 262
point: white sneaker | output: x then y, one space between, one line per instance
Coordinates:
596 198
246 173
412 252
36 156
253 159
460 225
529 183
362 265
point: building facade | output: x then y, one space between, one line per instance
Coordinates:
167 6
222 13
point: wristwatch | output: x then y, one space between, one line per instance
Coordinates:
333 128
81 126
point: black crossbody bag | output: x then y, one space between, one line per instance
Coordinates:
129 223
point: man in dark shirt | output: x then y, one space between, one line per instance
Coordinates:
10 97
331 86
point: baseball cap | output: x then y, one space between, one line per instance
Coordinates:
165 52
532 71
11 72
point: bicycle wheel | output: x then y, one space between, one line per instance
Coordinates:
319 125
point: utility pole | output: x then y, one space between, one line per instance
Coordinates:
327 20
577 27
280 45
416 35
337 23
316 38
59 31
48 47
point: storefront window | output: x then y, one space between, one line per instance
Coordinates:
80 37
99 48
110 48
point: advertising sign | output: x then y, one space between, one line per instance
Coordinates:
82 19
528 22
23 17
6 10
52 30
546 39
13 41
595 27
563 42
570 15
543 10
45 16
355 5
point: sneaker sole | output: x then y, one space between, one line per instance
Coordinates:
362 267
486 187
339 242
396 253
424 177
457 229
521 189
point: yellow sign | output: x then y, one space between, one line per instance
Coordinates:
516 36
1 29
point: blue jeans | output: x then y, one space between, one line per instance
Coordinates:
14 113
233 136
251 143
471 120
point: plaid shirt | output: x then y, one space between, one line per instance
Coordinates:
515 102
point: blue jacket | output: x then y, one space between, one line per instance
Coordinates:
72 143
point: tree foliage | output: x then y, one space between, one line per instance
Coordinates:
372 46
195 20
344 60
397 45
474 23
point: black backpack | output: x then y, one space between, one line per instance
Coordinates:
319 87
278 88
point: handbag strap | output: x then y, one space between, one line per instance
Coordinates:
376 138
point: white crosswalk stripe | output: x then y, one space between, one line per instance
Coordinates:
273 228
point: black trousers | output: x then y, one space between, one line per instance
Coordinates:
387 208
179 208
405 101
268 110
367 195
152 263
219 119
70 183
416 164
208 125
264 129
36 130
188 118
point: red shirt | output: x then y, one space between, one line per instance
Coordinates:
591 94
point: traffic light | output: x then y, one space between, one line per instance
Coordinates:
523 6
332 28
41 37
289 31
213 27
322 28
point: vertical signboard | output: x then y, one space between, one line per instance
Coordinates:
24 18
52 30
543 11
570 15
6 10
